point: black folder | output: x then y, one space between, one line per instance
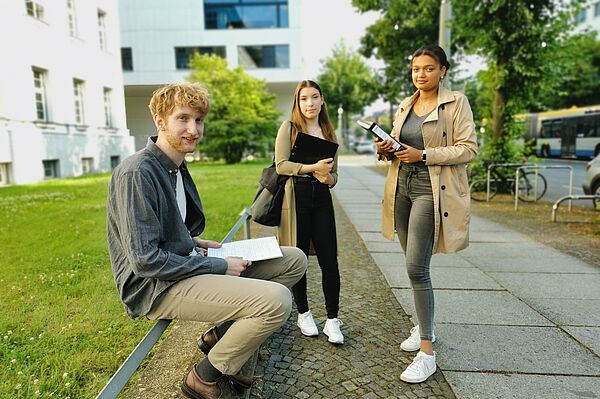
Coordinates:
310 149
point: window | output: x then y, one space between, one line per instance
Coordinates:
50 168
264 56
597 9
35 9
87 165
107 107
71 18
245 14
114 161
581 16
126 59
102 29
78 97
4 173
39 89
183 55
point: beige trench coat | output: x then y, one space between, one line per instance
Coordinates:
450 142
286 231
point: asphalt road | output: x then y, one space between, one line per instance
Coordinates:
558 180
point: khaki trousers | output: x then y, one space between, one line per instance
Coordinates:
259 301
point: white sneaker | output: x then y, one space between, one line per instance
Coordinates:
422 367
332 330
413 343
307 324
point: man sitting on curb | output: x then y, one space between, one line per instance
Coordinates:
154 220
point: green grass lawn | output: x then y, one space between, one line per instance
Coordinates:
63 329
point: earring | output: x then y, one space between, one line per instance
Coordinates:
442 77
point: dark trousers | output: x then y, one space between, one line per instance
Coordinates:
315 220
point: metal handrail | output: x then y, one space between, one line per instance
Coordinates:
121 377
569 198
537 168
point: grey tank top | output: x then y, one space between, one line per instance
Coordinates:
411 132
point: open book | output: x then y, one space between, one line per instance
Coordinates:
253 249
380 133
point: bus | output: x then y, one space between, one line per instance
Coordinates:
566 133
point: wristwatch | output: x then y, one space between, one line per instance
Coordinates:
423 156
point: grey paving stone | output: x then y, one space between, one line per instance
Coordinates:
450 260
485 307
477 307
368 225
362 211
446 278
479 224
541 264
564 286
512 349
362 217
496 236
438 260
574 312
515 386
387 246
370 236
505 249
589 336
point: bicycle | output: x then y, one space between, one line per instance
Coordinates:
530 189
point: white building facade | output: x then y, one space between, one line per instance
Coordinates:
158 38
588 19
62 108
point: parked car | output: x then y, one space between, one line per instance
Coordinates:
591 184
365 147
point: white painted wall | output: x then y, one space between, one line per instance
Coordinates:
47 44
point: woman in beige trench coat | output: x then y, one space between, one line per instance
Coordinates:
307 217
426 195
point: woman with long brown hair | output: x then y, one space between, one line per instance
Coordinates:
307 214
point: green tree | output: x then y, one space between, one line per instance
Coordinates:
404 26
243 118
519 40
346 80
578 82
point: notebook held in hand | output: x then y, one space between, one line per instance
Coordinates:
310 149
376 131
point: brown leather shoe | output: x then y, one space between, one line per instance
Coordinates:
206 343
242 380
194 387
208 340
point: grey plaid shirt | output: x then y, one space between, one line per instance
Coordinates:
148 243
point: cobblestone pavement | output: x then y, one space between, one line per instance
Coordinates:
369 363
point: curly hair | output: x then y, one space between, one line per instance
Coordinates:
167 97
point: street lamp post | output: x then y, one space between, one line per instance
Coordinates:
340 112
444 30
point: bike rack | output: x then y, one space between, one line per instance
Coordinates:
498 165
569 198
537 168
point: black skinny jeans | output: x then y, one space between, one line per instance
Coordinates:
316 222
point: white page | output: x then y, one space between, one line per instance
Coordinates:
254 249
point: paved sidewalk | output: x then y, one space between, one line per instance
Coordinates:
514 318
